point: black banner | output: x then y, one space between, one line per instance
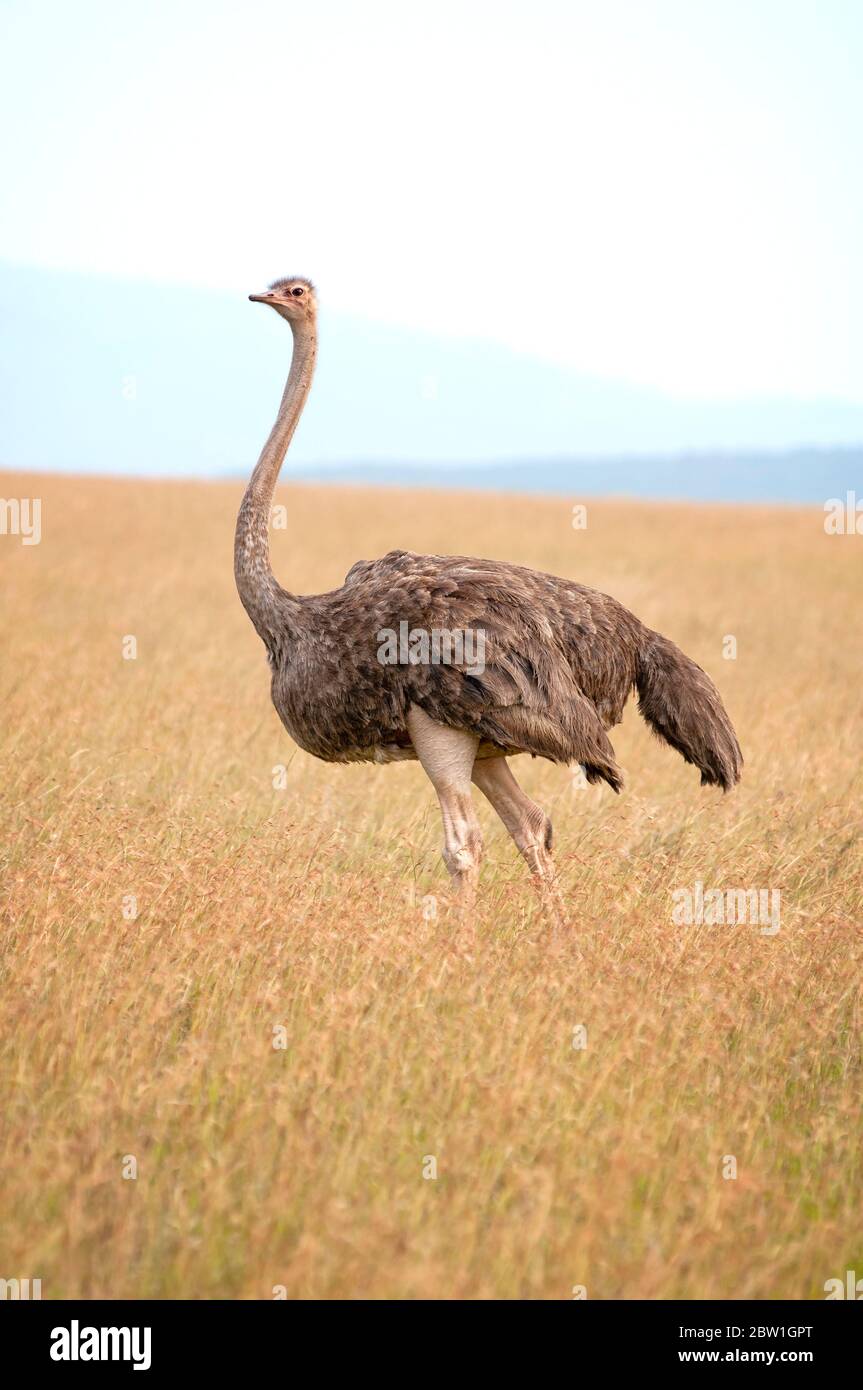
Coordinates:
161 1338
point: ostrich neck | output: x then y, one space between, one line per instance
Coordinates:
271 608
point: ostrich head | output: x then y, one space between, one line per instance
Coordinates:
293 298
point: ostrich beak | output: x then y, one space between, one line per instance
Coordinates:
265 298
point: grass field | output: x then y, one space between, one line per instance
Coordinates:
411 1037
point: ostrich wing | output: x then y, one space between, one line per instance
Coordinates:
362 568
541 634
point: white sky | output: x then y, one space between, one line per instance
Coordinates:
669 191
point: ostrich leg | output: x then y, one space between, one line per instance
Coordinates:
447 757
528 825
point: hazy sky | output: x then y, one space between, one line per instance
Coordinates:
668 191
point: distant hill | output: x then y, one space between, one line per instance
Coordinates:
804 475
110 376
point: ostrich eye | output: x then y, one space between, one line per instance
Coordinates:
296 290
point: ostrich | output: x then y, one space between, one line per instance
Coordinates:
560 661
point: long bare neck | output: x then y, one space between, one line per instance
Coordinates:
268 605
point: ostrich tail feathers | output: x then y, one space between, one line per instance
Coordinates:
683 707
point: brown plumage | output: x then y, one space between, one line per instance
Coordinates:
559 661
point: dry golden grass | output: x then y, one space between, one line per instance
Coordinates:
406 1037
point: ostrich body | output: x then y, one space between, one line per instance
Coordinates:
559 663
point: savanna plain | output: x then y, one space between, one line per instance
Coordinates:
173 905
